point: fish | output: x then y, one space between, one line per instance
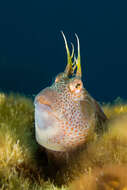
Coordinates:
66 115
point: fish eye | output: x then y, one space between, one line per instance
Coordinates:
76 86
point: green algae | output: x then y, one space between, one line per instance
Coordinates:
24 166
19 167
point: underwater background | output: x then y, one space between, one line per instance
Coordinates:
32 53
32 49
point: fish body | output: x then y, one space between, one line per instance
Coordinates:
66 116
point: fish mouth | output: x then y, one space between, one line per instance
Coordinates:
46 126
46 108
45 117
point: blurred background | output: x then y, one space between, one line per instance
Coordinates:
32 49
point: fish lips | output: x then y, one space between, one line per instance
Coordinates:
45 116
46 127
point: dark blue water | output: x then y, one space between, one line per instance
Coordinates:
32 49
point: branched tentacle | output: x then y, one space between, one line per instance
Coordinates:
72 65
78 62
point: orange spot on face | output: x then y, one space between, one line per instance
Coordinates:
67 128
80 134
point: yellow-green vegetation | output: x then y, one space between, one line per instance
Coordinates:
19 168
101 166
104 163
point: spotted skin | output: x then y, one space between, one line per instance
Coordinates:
77 115
66 116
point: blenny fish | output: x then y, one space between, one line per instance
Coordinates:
66 116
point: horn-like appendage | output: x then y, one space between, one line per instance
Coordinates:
72 54
78 60
72 65
68 69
